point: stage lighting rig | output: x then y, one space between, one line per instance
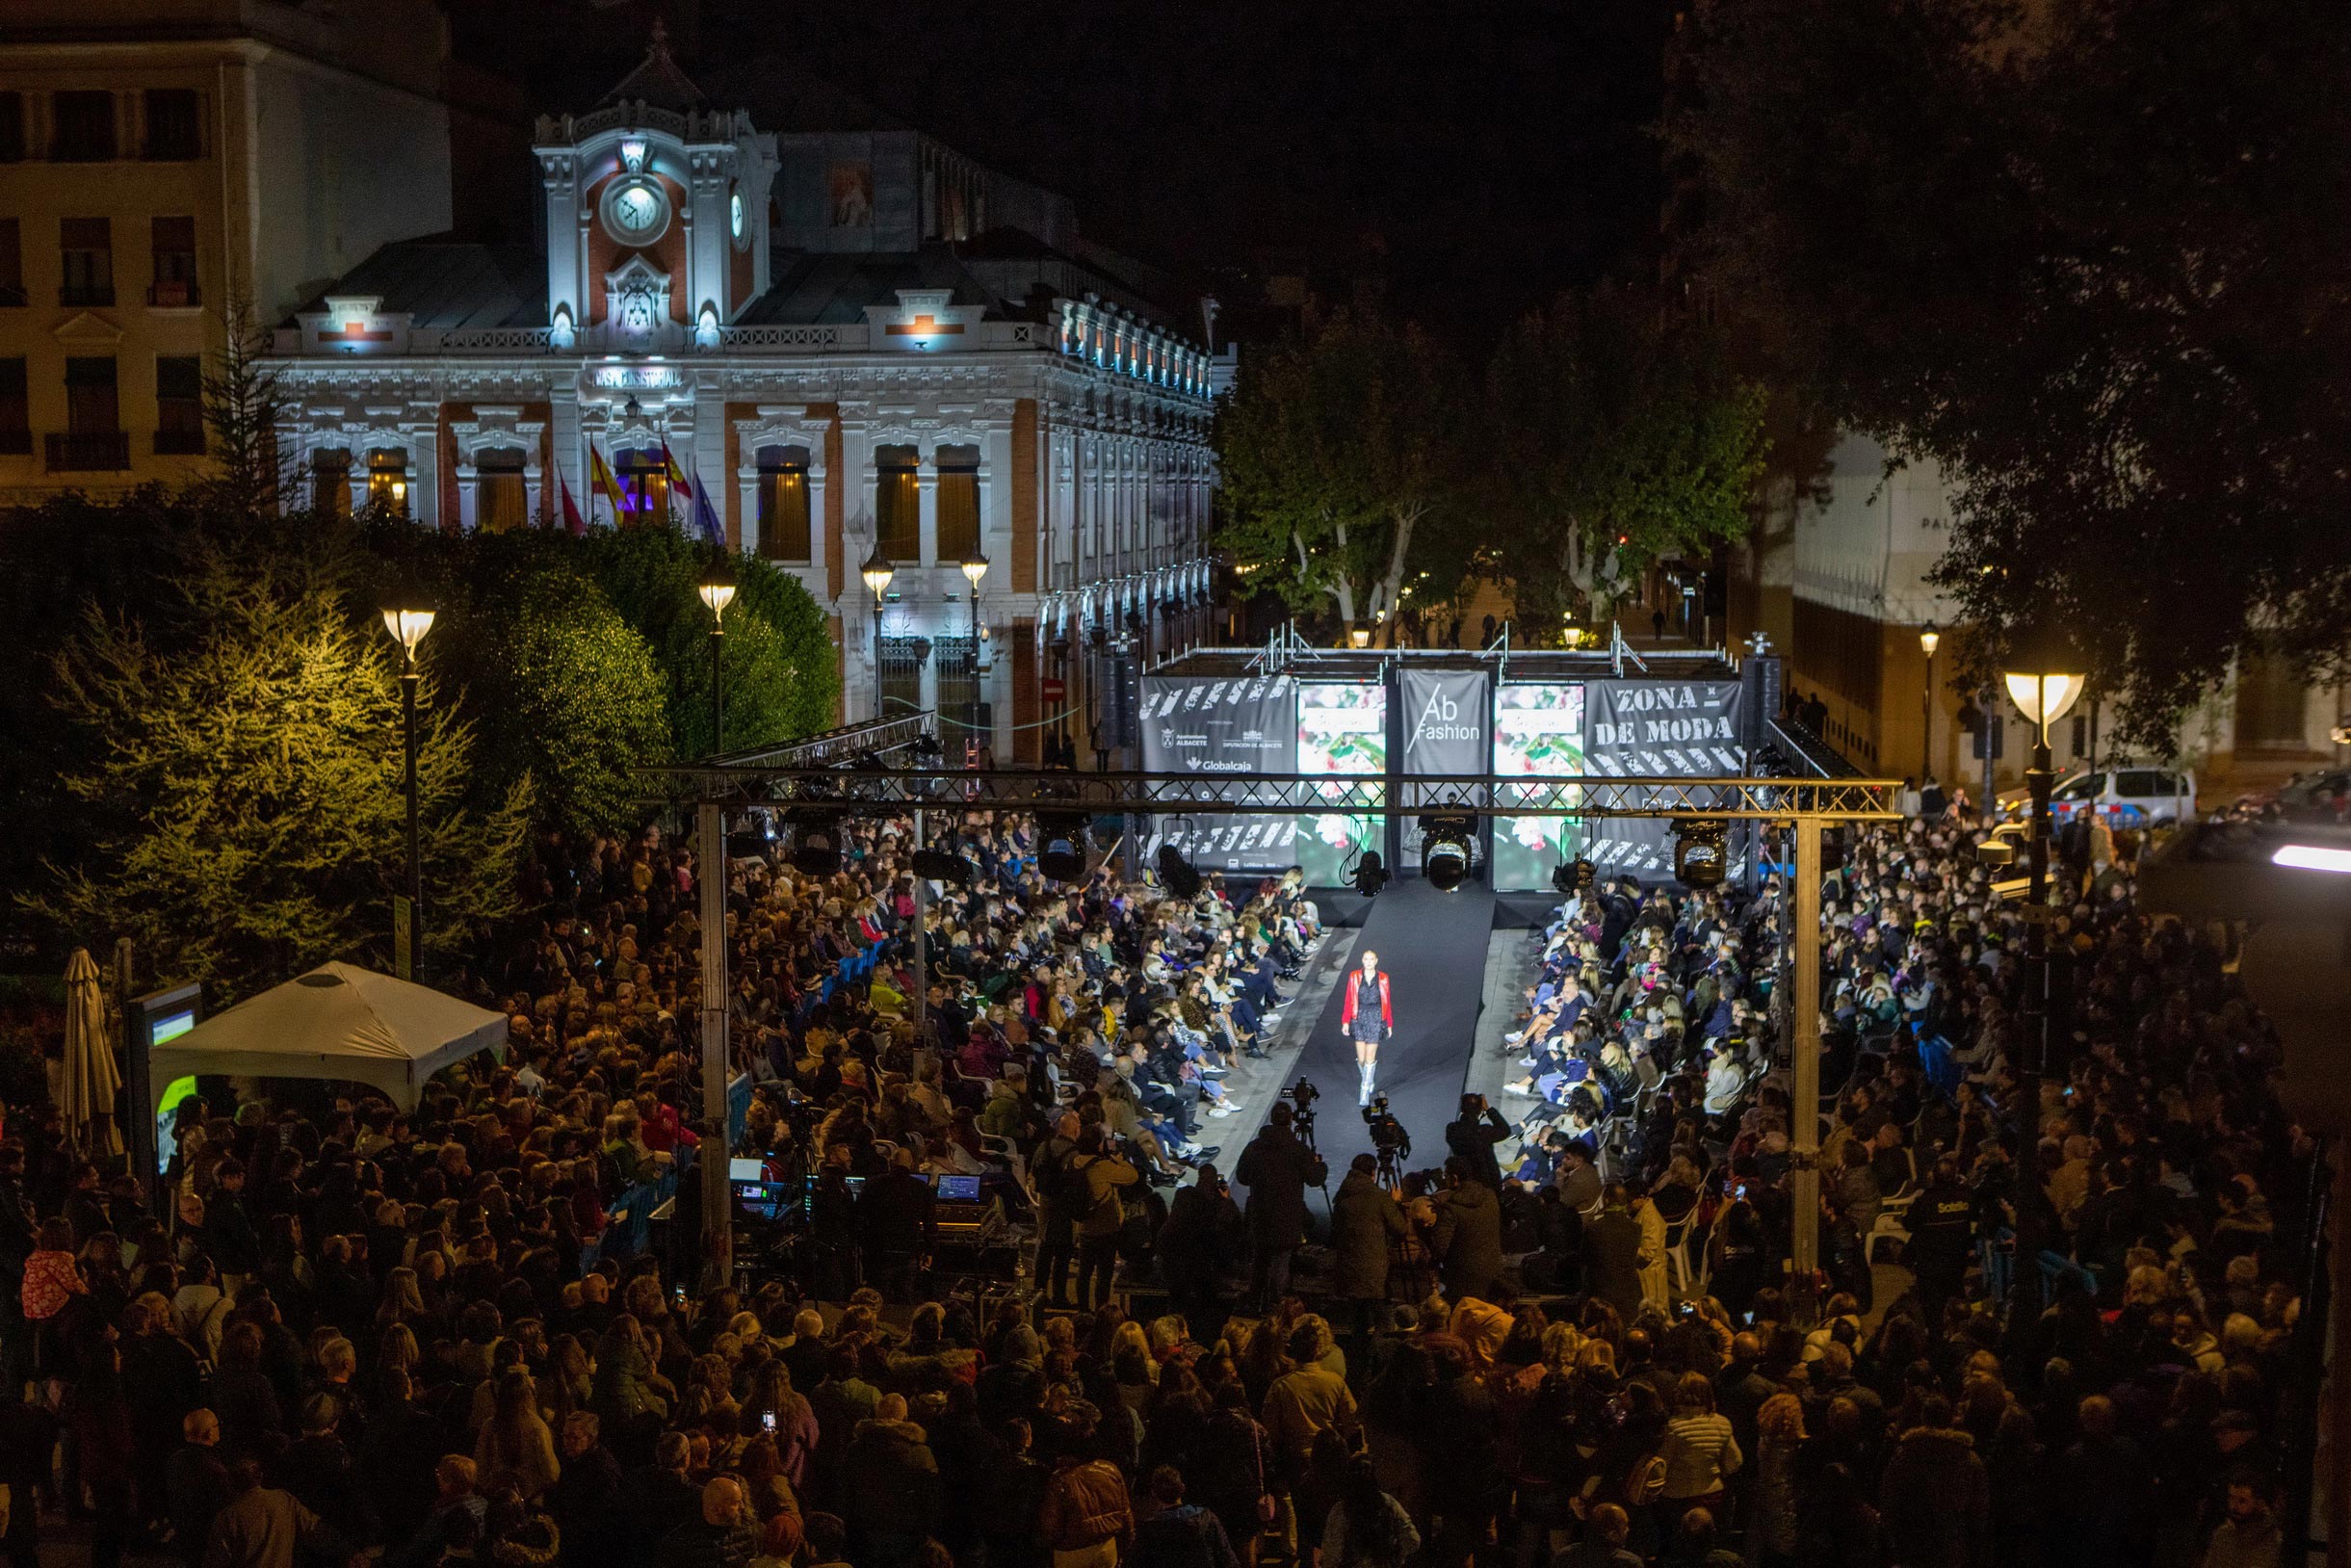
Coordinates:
816 842
1177 875
944 866
1445 848
1370 873
1067 839
1700 857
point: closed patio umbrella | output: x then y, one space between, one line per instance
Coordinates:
90 1079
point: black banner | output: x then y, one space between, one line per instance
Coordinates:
1218 726
1655 729
1448 728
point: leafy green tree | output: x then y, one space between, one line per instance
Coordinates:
2087 256
778 658
254 778
242 404
562 692
1622 439
1334 453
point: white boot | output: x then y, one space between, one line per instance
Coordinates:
1367 1069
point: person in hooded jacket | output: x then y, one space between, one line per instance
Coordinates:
1466 1238
1935 1497
890 1492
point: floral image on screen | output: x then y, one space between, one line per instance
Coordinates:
1538 731
1343 730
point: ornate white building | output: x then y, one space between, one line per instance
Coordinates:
849 345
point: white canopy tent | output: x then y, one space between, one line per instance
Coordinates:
337 1021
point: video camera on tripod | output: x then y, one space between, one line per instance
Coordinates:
1389 1139
1302 1097
1387 1133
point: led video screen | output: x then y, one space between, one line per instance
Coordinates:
1342 731
1539 732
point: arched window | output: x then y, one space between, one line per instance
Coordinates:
330 483
501 501
644 487
783 505
959 502
387 480
897 504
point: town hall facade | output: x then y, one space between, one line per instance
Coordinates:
833 348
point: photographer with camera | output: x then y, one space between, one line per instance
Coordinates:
1366 1221
1466 1238
1471 1138
1278 1170
1192 1245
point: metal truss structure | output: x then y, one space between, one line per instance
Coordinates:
874 738
854 772
887 791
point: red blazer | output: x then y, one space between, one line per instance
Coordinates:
1347 1011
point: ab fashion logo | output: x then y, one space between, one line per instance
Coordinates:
1440 720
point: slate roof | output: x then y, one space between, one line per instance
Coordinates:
449 283
659 80
816 289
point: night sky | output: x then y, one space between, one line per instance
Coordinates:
1475 158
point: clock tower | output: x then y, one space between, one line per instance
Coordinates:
657 213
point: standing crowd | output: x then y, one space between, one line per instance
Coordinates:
424 1336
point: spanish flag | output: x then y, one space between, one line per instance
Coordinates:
600 480
575 524
677 475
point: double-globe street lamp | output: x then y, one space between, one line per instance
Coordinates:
717 593
878 572
408 627
974 567
2044 676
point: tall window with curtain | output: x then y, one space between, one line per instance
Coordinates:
897 504
783 505
387 480
330 483
959 502
179 403
501 499
645 489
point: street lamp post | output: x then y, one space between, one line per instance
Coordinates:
1928 638
878 572
2043 679
408 627
717 593
974 567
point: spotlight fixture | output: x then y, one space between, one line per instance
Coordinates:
1177 875
1370 873
816 850
1700 858
1067 845
1445 848
1563 879
944 866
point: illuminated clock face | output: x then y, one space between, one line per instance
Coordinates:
734 214
636 212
